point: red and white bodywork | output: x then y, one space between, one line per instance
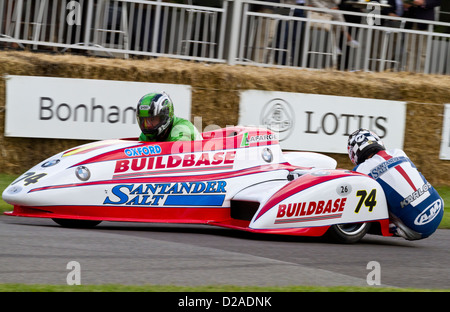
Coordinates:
235 177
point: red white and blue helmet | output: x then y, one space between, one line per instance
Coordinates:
363 143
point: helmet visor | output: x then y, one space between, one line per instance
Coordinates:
150 124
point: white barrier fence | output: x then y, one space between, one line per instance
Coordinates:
115 27
235 32
300 37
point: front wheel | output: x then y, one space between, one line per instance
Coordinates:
348 233
71 223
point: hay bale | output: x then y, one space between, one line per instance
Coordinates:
215 97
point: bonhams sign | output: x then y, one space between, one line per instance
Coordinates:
322 123
81 108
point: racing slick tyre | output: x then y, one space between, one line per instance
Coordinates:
70 223
347 233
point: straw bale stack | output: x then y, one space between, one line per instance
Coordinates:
215 97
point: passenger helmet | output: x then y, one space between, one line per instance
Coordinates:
363 143
154 114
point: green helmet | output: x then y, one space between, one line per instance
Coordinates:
154 114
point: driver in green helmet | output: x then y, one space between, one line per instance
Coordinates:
158 123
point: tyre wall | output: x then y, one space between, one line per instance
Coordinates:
215 97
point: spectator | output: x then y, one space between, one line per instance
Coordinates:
424 10
291 31
399 8
354 19
263 39
395 8
444 16
420 9
392 39
334 5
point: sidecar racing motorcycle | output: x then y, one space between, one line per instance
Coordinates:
236 177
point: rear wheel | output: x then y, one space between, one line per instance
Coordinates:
348 233
70 223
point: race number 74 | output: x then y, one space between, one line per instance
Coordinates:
369 201
30 178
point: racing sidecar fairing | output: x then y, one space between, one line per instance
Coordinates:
235 177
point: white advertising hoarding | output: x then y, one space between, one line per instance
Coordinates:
445 141
321 123
44 107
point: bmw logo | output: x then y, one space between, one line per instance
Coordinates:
83 173
50 163
267 155
14 189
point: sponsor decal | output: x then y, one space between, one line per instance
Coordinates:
50 163
14 189
415 195
310 211
429 213
210 193
247 140
83 173
382 168
267 155
209 160
143 151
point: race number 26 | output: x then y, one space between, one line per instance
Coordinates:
368 200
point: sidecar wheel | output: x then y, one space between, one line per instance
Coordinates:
347 233
70 223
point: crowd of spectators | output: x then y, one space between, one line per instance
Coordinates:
285 34
417 9
412 9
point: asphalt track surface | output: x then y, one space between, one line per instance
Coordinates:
37 251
